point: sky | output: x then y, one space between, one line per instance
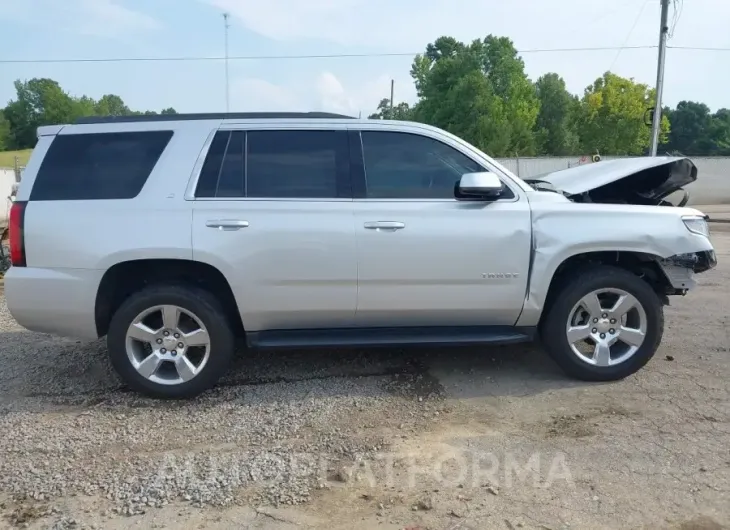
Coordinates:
101 29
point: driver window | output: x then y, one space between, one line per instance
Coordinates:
409 166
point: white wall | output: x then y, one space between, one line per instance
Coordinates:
712 185
7 179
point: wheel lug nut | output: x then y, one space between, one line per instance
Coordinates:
163 350
595 320
604 315
180 345
173 352
613 321
177 335
159 341
603 335
612 331
594 330
166 333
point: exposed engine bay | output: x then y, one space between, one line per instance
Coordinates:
644 181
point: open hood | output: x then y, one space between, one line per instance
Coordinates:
641 180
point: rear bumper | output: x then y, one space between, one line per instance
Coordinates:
56 301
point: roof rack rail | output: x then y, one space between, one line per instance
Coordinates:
211 116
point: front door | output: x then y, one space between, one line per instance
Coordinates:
424 258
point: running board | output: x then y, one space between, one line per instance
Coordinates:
440 336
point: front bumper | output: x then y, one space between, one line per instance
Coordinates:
697 261
680 269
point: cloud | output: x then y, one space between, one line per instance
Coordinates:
323 92
257 95
103 18
407 24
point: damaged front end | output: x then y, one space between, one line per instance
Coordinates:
680 269
644 181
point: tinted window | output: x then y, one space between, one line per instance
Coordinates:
409 166
208 180
98 166
297 164
222 174
278 164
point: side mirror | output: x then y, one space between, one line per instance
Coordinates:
483 186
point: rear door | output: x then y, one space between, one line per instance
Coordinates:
273 211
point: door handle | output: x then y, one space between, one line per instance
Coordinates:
384 225
226 224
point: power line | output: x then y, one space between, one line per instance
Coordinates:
290 57
699 48
678 8
332 56
628 35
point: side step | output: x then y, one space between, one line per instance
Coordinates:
390 336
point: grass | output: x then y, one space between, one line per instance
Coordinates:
7 158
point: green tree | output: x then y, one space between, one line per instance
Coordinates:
612 117
691 123
111 105
40 101
556 126
720 132
478 91
401 111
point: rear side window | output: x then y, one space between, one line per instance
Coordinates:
98 166
277 164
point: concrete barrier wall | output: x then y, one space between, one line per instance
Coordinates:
712 185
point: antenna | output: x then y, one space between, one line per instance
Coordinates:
226 25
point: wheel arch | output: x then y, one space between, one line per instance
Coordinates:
545 283
642 264
127 277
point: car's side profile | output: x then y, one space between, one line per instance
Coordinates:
175 235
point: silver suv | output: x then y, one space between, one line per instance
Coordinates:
175 235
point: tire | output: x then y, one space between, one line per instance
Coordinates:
197 307
571 291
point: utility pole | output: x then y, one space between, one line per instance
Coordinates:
226 26
392 90
657 121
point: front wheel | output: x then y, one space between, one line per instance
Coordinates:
170 341
604 324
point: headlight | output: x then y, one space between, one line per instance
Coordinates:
697 225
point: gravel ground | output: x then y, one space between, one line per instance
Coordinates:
428 439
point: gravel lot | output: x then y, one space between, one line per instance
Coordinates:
428 439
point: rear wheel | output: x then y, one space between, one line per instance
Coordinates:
170 341
604 324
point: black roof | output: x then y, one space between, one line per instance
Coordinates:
212 116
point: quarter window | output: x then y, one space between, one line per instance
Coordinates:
98 166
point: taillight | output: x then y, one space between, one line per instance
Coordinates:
17 236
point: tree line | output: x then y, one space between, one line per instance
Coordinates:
480 92
42 101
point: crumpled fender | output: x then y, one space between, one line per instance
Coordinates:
562 230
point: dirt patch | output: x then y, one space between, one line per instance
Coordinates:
582 424
701 523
